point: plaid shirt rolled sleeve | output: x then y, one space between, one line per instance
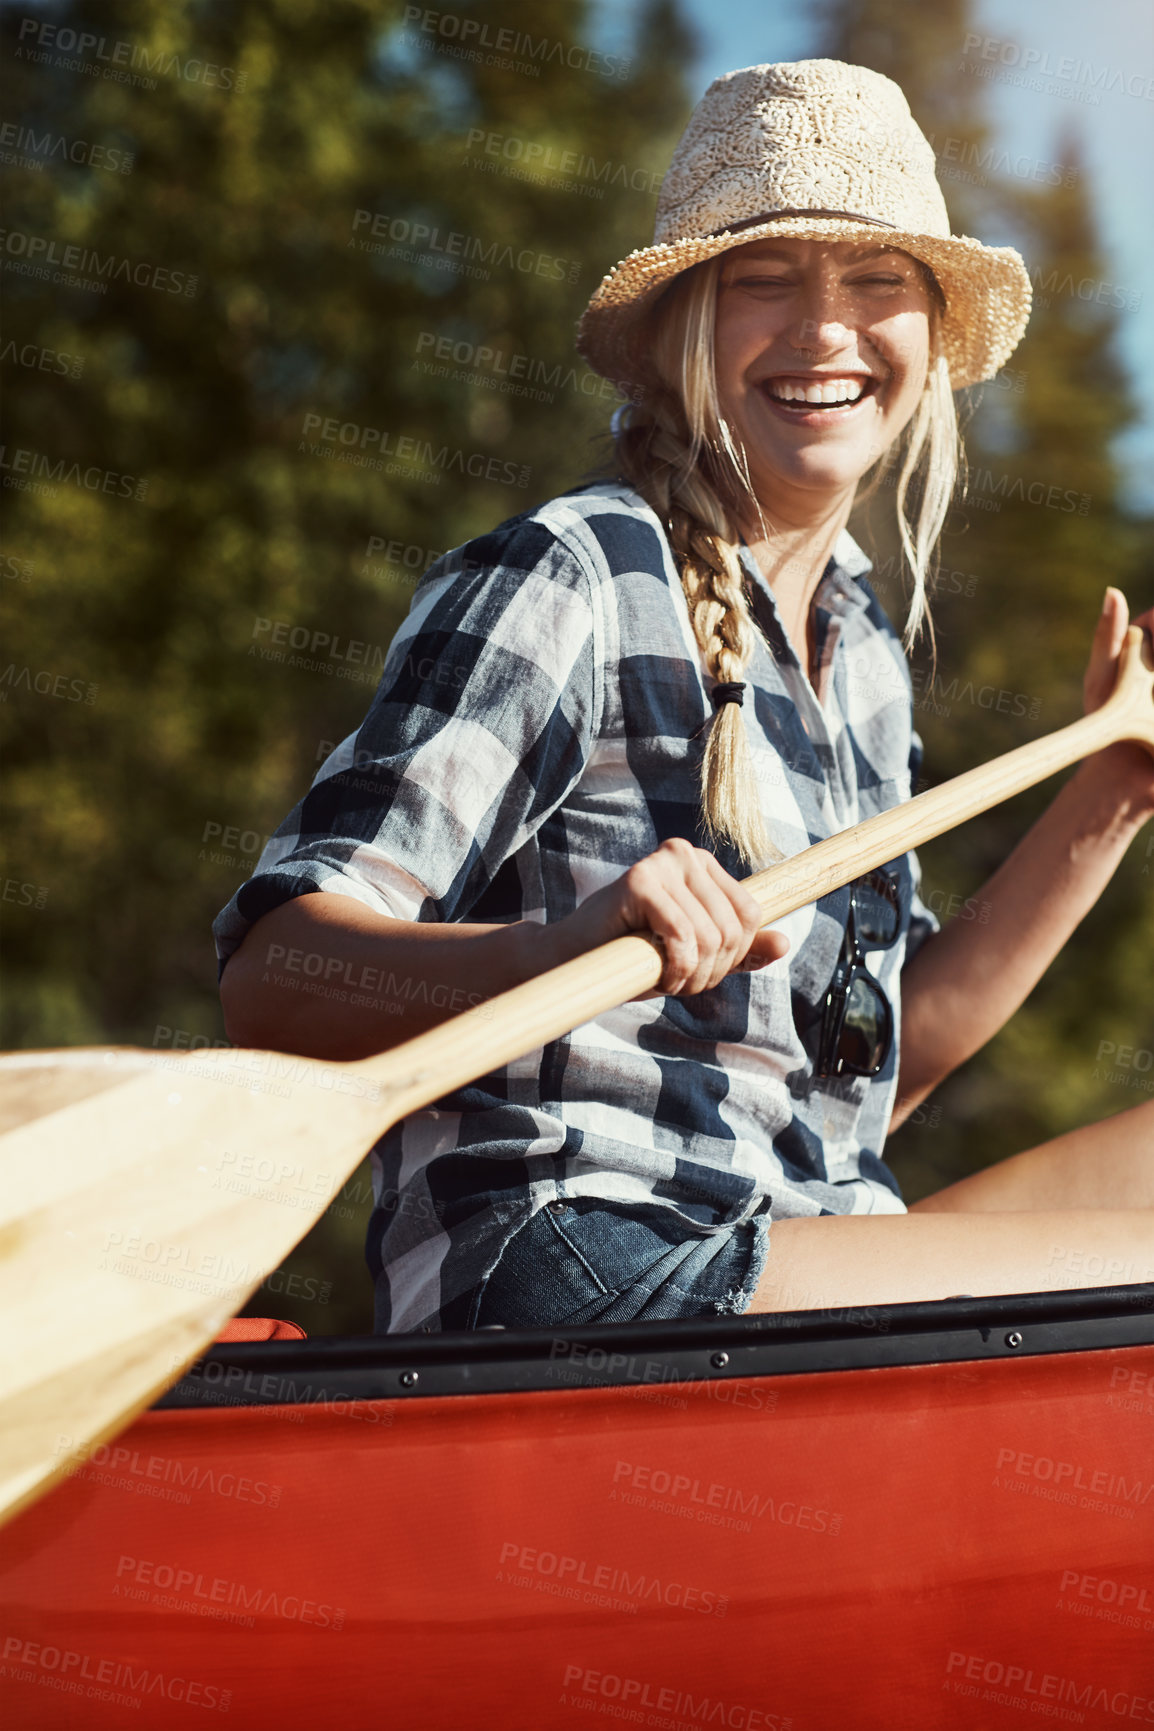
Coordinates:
482 724
537 730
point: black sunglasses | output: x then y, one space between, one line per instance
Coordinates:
857 1027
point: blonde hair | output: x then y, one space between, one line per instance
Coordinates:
674 448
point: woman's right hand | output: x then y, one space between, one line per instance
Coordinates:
708 923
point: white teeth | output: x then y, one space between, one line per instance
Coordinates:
825 391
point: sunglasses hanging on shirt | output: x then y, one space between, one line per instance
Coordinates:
857 1027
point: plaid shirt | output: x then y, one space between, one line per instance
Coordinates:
536 731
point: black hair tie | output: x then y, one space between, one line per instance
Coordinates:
727 692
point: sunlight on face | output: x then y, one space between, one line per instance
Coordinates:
821 354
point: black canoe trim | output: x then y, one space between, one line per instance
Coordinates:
335 1371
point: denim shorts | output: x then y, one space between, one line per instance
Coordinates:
594 1260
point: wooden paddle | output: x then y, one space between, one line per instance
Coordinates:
144 1195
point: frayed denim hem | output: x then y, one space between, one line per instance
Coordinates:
590 1260
738 1299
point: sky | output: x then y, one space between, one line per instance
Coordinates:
1118 130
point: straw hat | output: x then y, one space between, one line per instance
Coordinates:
816 150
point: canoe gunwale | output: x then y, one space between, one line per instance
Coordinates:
334 1369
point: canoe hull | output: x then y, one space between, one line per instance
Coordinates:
942 1544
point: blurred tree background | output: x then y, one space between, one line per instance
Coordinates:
315 327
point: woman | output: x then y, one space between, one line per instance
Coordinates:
596 718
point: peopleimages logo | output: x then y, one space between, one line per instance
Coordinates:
166 1477
1071 1483
564 1575
1034 64
42 254
41 146
713 1503
64 1669
585 1685
455 249
360 443
1107 1592
1022 1687
262 1601
117 59
529 160
486 44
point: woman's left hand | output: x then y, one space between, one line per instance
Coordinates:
1132 763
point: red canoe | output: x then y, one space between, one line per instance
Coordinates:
935 1515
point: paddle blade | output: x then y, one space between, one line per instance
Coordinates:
138 1217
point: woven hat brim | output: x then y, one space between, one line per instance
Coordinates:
986 288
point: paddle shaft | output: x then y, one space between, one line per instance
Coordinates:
556 1002
137 1216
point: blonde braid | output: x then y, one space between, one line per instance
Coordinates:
657 456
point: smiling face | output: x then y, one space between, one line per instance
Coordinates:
821 353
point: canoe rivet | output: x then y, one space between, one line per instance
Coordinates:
719 1360
1013 1338
408 1379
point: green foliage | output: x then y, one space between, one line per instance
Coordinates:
500 189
